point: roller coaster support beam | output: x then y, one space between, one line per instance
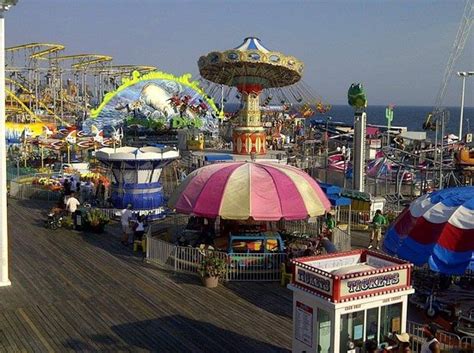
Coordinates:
4 280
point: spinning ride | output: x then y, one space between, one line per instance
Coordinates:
250 68
136 173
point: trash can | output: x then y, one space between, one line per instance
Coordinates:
78 220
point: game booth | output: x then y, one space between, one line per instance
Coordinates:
342 300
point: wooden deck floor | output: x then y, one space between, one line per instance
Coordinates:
87 293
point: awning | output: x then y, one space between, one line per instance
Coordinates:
217 157
339 200
330 189
356 195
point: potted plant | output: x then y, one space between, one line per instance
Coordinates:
96 220
67 222
211 269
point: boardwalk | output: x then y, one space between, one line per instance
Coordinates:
86 293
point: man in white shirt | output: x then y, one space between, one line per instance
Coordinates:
71 204
125 218
71 207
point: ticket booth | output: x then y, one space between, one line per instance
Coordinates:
341 300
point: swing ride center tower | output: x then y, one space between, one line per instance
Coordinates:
250 68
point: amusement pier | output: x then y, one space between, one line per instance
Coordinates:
229 209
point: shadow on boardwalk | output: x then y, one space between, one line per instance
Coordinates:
175 333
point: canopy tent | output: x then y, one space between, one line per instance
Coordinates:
243 190
438 229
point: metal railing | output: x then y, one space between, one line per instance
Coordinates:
254 267
302 227
449 342
360 220
240 267
160 252
28 191
25 191
467 344
341 239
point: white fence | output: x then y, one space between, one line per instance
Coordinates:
240 267
254 267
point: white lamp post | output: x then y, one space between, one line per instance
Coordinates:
4 280
463 75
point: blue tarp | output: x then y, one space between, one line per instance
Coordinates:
218 157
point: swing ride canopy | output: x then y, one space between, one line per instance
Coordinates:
438 229
250 63
243 190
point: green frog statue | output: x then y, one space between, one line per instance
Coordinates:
356 96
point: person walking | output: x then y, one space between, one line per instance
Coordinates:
139 228
431 345
376 234
125 219
330 225
71 207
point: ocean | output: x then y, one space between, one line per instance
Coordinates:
409 116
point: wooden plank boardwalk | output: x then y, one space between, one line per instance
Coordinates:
76 292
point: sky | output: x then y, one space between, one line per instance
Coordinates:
398 49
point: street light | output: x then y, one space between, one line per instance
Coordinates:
5 5
327 148
463 74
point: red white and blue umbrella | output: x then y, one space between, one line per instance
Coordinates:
438 229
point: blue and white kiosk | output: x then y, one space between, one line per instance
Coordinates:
341 300
135 176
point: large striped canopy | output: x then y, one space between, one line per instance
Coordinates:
437 228
243 190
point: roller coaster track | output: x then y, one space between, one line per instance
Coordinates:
38 50
124 69
25 108
41 103
84 61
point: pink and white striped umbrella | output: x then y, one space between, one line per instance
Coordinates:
243 190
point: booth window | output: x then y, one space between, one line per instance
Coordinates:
372 323
390 320
352 330
324 332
